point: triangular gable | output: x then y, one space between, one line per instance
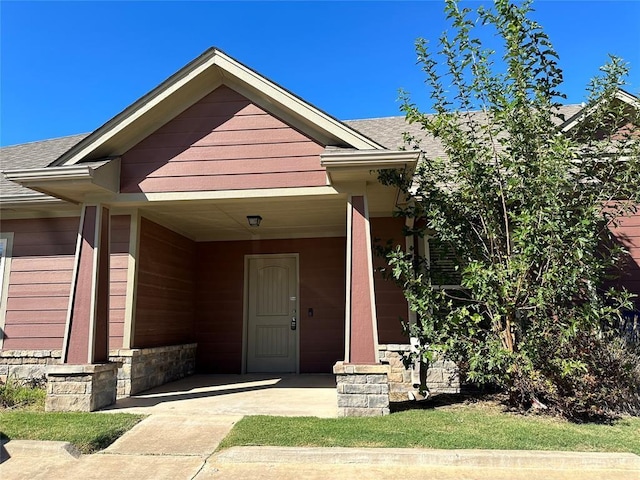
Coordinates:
192 83
222 142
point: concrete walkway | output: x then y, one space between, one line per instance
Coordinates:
251 394
179 438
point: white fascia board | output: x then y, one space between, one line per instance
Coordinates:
375 159
28 199
103 174
294 103
627 98
579 117
138 109
32 175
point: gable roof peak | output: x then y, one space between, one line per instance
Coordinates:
195 80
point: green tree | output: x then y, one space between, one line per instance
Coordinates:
526 209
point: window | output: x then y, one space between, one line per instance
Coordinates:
441 263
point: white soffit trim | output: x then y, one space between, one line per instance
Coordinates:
184 88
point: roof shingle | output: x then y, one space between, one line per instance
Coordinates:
31 155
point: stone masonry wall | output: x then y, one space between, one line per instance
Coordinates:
145 368
138 369
442 377
27 364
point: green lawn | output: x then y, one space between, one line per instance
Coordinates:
89 432
469 426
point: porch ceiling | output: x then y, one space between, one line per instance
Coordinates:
282 217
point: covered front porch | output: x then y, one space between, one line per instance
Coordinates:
250 394
166 255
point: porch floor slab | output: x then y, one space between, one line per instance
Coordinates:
250 394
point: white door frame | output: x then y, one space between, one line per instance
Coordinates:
245 305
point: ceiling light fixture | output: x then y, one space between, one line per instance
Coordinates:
254 220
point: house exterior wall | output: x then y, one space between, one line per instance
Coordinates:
628 234
223 142
219 304
391 305
166 286
120 228
39 282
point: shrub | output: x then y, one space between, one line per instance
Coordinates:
16 393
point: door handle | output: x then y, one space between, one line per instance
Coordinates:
294 323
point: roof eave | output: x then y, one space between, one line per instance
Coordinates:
74 183
28 199
358 165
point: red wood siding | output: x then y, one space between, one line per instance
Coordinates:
120 227
223 142
165 293
391 305
628 234
39 281
219 301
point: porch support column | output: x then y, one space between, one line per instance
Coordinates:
361 323
80 383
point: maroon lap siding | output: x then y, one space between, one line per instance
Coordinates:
39 281
165 293
391 305
628 234
120 226
219 304
223 142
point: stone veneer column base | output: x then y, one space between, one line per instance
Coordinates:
363 390
441 376
80 388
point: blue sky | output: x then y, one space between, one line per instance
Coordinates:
68 67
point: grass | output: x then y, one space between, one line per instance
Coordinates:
89 432
22 394
474 426
22 417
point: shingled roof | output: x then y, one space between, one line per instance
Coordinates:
32 155
387 131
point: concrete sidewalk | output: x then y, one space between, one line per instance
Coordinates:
170 446
188 419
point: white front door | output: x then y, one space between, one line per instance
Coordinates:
272 314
